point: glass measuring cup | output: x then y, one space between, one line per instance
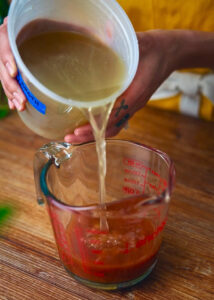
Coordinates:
139 183
47 113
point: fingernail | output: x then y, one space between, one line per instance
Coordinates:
67 139
10 69
77 132
80 132
19 97
17 104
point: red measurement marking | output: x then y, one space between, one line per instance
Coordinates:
96 231
133 172
163 224
132 181
151 237
163 184
136 168
131 191
140 243
128 190
155 173
134 163
158 231
152 186
128 161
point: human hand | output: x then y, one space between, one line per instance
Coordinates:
8 72
157 60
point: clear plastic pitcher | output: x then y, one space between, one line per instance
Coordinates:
106 20
139 183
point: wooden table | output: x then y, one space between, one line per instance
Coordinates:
29 263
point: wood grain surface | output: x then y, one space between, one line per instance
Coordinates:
30 268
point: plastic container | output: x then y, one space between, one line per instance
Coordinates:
108 22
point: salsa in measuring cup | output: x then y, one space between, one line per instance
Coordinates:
126 251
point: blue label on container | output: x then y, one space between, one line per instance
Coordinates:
38 105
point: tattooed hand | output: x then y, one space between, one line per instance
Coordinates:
157 60
161 52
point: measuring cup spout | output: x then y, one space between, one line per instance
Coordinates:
51 153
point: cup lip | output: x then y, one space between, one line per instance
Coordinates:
155 200
73 102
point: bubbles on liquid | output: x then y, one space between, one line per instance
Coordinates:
104 241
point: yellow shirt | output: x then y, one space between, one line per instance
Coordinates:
174 14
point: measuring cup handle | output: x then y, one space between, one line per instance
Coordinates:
53 152
39 162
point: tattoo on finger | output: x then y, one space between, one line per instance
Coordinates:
122 121
121 107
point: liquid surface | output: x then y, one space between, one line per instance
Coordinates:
70 63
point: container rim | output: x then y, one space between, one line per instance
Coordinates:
151 200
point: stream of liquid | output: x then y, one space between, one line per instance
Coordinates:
76 65
99 128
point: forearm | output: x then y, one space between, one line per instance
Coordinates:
195 49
